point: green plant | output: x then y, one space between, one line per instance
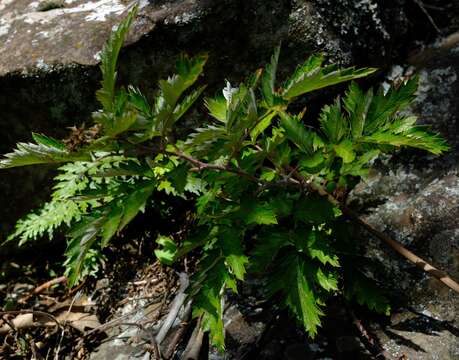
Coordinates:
251 171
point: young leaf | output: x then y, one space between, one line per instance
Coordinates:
297 133
268 80
211 280
345 150
384 105
312 76
357 104
109 59
168 251
333 124
291 277
230 242
44 152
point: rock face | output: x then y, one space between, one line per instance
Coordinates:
417 202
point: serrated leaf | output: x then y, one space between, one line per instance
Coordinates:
261 126
266 249
365 291
357 104
297 133
327 279
48 141
345 150
31 154
268 79
135 202
291 277
258 213
384 105
109 59
187 102
314 209
110 227
312 76
415 137
319 248
217 108
211 280
332 123
230 242
168 251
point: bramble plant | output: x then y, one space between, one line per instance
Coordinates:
251 171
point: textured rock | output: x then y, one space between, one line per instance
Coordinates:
415 198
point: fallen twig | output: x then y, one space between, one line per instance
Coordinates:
193 348
169 351
424 10
174 309
376 348
26 322
48 284
153 347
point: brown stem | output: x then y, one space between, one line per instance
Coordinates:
49 283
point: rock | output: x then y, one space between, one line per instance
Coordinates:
414 197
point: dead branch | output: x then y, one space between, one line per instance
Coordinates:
193 348
48 284
25 319
174 309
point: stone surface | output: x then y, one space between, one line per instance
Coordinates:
415 198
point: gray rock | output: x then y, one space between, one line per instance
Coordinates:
415 198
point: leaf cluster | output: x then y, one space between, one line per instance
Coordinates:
247 170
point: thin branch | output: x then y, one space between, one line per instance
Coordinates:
48 284
174 309
424 10
416 260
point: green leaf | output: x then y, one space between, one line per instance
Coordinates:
187 102
44 152
109 59
384 105
135 202
365 291
139 101
297 133
212 278
357 104
268 80
258 213
333 124
291 277
266 249
345 150
327 279
261 126
415 137
48 141
110 227
217 108
231 245
168 251
312 76
314 209
317 245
